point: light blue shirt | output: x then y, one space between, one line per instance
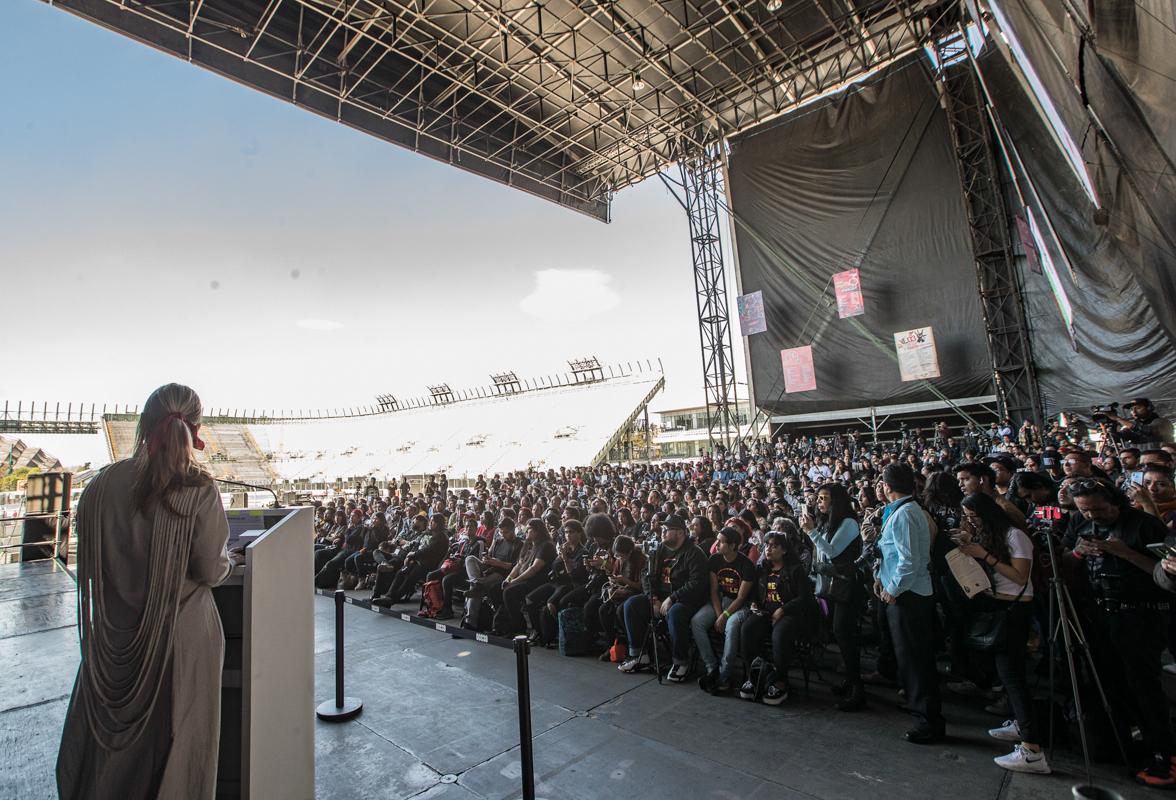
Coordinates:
906 549
847 531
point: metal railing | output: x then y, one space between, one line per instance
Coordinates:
13 528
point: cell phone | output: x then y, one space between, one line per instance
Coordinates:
1137 478
1162 550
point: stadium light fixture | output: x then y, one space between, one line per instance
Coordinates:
638 82
773 5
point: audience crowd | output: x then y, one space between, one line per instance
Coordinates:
945 545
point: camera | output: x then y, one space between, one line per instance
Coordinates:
1103 413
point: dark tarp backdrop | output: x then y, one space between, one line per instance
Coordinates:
864 179
1122 255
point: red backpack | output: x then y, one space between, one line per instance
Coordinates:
432 599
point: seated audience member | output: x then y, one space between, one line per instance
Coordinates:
785 608
470 546
567 587
1125 619
675 587
532 570
732 578
329 562
419 563
1006 553
364 562
624 569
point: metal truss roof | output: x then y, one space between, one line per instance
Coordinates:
570 100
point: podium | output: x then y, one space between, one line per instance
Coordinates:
267 686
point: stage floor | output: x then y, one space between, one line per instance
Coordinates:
438 709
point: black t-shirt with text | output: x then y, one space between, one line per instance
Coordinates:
731 573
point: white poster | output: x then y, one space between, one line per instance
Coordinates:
916 354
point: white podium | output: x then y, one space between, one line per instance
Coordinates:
267 687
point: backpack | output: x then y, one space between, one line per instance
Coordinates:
432 599
573 631
761 674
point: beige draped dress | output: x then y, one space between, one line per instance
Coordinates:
175 758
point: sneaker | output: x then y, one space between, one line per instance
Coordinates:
1158 775
1009 732
1001 708
969 689
1170 668
708 681
1023 760
630 666
722 685
774 696
606 655
678 673
443 614
747 690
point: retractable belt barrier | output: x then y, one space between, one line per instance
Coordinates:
518 644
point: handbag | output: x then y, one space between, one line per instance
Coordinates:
986 630
831 585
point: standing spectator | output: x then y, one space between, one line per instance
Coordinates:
904 585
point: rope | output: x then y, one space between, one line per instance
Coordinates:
121 683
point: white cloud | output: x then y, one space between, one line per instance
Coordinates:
570 295
319 324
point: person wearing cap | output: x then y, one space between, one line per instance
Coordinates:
1145 427
676 584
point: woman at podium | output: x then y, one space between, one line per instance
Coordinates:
144 718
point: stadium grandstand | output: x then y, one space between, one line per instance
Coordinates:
576 419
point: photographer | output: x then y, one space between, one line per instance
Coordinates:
1145 427
1126 618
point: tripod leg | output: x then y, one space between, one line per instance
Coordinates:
651 643
1081 636
1051 638
1063 623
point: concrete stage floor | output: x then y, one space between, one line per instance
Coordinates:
438 709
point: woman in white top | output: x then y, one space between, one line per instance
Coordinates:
1007 554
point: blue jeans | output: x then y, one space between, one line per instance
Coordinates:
704 622
637 612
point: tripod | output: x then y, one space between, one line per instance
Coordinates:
1066 622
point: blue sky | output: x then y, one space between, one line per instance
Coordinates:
133 183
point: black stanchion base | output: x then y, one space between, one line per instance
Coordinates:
333 713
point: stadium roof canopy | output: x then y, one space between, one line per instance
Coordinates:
570 100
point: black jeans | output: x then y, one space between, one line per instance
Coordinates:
565 596
1010 662
912 631
1129 642
510 600
605 616
452 582
845 630
784 635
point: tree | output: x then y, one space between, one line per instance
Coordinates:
8 482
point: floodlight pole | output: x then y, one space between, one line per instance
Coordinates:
702 181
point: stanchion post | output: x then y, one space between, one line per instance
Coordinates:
528 756
343 708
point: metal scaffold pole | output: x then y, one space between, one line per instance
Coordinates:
702 182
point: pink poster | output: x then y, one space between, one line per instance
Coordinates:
849 294
798 369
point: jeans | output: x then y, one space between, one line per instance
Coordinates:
703 623
912 631
784 634
564 596
510 599
638 611
604 616
1010 663
1134 638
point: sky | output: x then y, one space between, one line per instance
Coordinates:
161 223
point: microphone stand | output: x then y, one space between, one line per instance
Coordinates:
277 503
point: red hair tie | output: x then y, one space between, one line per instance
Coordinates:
155 440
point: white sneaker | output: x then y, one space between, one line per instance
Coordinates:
1170 668
678 673
1021 760
747 690
1009 732
632 665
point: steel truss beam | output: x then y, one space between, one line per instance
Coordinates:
538 95
702 184
1014 379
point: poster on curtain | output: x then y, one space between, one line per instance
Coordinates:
799 375
917 358
848 286
751 313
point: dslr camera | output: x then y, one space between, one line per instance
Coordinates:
1103 413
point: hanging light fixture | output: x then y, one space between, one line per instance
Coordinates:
638 83
773 5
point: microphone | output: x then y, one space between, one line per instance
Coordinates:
277 503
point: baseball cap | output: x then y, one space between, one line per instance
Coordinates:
674 522
1008 462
